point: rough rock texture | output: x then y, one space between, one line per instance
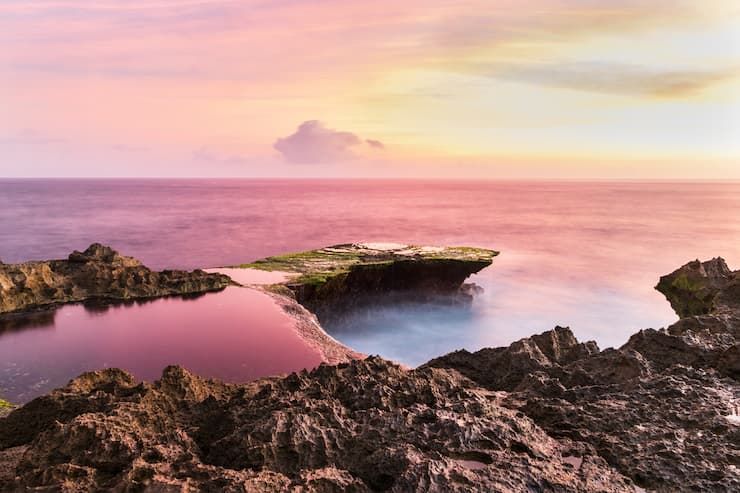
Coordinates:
308 328
694 289
335 280
662 409
98 273
361 426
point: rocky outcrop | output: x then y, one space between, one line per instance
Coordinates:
547 413
361 426
707 296
695 288
333 281
669 427
662 409
98 273
504 368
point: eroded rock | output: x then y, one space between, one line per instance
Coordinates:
362 426
98 273
693 289
662 409
336 280
547 413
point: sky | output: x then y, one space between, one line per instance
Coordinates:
588 89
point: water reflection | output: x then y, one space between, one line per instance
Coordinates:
238 334
33 320
580 254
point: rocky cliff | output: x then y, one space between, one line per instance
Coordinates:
335 280
98 273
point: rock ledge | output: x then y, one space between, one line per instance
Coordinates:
334 280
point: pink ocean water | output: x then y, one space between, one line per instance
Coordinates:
580 254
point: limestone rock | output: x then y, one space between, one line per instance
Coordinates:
662 409
547 413
98 273
333 281
504 368
693 288
361 426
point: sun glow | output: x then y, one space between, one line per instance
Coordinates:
208 87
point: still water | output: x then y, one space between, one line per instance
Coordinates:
237 335
581 254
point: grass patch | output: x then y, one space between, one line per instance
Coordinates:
684 282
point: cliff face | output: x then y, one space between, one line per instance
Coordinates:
97 273
335 280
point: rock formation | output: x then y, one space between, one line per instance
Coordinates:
662 409
360 426
335 280
547 413
98 273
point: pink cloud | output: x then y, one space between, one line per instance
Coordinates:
313 142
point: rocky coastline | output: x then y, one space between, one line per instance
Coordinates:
335 280
547 413
97 274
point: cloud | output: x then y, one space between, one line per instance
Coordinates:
30 137
129 148
376 144
206 155
603 77
313 142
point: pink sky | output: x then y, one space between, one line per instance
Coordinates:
473 88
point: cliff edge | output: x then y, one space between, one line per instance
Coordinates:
334 280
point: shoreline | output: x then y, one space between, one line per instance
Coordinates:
656 414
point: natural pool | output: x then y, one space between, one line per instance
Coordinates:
238 334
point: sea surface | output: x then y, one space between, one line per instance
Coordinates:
581 254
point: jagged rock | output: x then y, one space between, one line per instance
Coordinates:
658 409
362 426
98 273
504 368
333 281
707 297
693 288
665 426
668 432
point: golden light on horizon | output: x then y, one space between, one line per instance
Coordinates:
611 82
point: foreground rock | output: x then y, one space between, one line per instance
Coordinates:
335 280
98 273
662 409
361 426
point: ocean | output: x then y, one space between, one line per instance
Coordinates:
578 254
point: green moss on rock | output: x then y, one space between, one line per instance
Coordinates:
339 277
